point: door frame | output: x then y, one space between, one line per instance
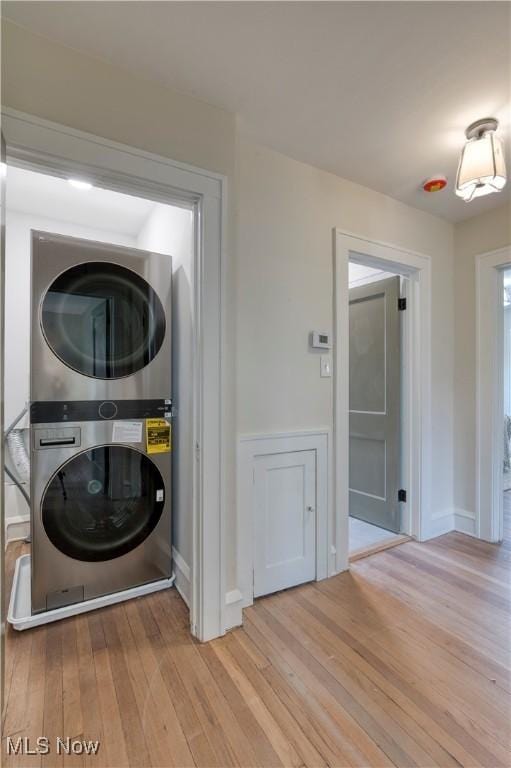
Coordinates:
490 393
417 385
41 145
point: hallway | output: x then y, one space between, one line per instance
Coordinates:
403 661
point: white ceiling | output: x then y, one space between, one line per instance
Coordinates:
376 92
360 274
55 198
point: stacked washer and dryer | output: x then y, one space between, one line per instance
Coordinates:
100 420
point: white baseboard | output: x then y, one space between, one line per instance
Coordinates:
182 574
460 520
17 527
465 522
233 613
438 525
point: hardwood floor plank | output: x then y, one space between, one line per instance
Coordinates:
113 745
263 752
198 683
360 747
318 721
93 726
133 731
240 650
159 744
283 747
371 707
53 712
464 649
403 661
159 673
347 661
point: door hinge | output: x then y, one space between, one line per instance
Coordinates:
401 304
401 495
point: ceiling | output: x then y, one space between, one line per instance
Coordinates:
376 92
55 198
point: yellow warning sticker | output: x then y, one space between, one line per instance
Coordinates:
158 436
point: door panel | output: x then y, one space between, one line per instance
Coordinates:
284 521
375 403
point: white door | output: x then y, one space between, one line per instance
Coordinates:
284 520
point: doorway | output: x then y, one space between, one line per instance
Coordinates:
76 311
39 146
376 324
492 393
412 516
506 350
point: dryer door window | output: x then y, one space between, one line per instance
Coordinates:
103 503
103 320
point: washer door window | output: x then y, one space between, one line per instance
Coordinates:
103 503
103 320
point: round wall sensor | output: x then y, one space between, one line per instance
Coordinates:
434 183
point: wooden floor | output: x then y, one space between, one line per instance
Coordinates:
403 661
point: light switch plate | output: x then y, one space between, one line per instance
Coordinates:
326 366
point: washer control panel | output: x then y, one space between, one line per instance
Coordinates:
58 411
107 410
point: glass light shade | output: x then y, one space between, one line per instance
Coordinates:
482 168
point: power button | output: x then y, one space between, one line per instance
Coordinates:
107 410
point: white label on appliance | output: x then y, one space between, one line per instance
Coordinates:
127 432
159 495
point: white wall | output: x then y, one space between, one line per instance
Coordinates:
79 91
480 234
284 290
169 230
17 314
279 279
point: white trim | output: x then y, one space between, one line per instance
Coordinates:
182 576
489 515
464 522
233 609
440 524
249 448
17 528
40 144
417 406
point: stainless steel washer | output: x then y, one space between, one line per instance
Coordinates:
101 321
100 358
101 505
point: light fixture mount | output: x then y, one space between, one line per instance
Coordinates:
479 127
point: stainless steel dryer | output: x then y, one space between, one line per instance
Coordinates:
101 321
101 505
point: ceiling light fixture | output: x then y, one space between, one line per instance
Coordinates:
482 169
80 184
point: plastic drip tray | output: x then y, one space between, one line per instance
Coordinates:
20 616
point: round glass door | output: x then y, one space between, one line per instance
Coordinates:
103 503
103 320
